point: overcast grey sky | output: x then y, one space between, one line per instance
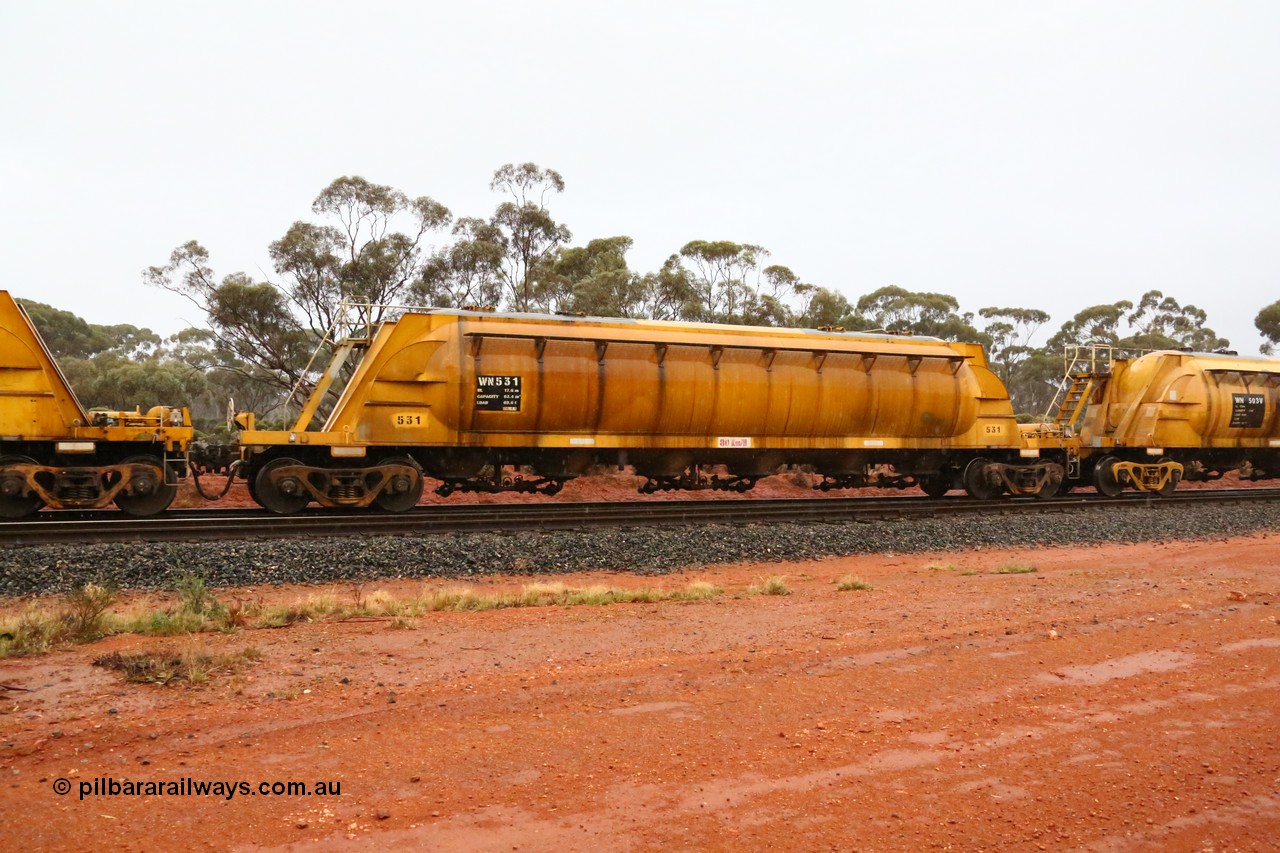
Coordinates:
1031 154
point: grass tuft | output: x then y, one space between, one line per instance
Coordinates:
33 633
194 595
1015 569
380 603
848 583
86 609
82 618
775 585
164 666
554 595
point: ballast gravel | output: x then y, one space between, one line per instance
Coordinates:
26 570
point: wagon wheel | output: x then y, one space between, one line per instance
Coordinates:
13 502
401 493
1168 488
283 495
976 482
1104 477
934 485
250 485
147 492
1049 490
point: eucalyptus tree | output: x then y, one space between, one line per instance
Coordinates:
1159 322
668 293
360 254
1029 376
1156 321
1096 324
723 276
1268 323
820 307
896 309
525 229
592 279
68 335
468 272
252 322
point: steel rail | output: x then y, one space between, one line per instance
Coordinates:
225 524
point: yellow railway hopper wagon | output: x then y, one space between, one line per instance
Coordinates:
55 454
478 400
1167 416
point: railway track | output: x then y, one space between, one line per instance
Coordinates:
69 527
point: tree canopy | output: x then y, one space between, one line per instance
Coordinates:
1268 323
118 367
1155 322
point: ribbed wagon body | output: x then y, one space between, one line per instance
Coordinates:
461 394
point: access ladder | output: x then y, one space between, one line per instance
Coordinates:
1086 368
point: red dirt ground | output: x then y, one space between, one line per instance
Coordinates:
1120 698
